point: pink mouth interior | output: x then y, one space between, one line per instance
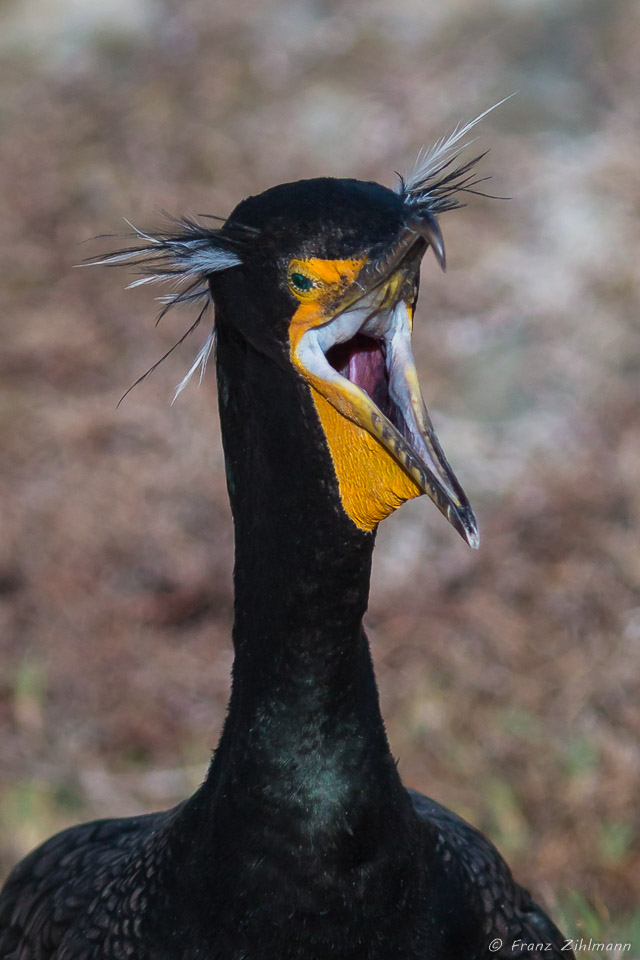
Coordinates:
362 361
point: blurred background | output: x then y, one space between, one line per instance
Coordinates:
509 677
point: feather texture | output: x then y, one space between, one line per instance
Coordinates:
185 255
435 181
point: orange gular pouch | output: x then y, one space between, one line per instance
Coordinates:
350 339
372 483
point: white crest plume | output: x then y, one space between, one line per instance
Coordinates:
431 183
200 362
185 255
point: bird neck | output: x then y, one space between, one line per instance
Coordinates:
304 740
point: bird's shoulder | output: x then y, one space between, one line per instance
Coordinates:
473 872
80 894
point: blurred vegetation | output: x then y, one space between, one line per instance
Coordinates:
509 678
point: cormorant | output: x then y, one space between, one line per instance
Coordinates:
302 843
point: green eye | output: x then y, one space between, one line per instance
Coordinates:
300 282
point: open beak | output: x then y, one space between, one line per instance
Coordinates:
361 360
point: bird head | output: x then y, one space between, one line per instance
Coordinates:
323 278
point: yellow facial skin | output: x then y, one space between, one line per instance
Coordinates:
371 481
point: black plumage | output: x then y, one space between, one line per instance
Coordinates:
302 843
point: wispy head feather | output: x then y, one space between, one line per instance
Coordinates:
435 181
185 255
200 363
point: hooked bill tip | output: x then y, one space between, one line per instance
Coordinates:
429 228
433 235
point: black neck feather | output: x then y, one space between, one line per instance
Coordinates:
302 782
303 684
